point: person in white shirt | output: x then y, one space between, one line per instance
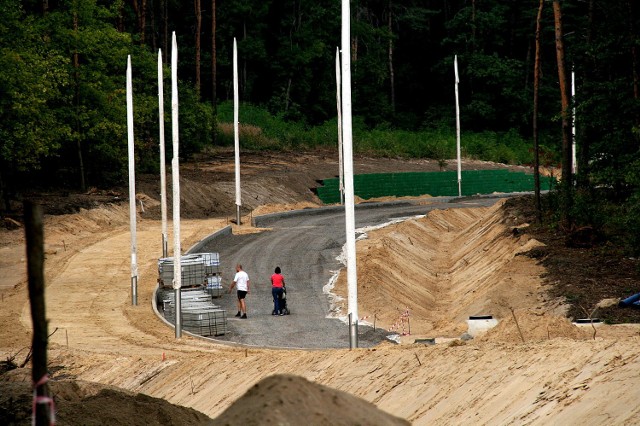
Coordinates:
241 282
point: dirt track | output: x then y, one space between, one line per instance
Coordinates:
559 375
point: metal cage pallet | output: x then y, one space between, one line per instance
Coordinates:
195 270
198 312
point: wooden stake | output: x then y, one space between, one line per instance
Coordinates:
517 325
35 270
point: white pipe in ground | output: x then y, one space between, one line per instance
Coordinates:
132 188
349 201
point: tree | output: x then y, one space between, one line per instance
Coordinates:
536 84
634 41
198 11
485 36
400 75
214 66
76 101
392 85
32 81
567 179
140 9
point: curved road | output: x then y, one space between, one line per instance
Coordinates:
305 245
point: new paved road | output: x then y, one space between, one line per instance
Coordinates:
305 245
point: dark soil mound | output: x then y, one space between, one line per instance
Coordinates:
90 404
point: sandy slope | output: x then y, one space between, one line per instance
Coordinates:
444 267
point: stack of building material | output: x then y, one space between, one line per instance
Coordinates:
213 278
199 314
196 269
214 285
205 322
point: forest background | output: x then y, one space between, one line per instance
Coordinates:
63 107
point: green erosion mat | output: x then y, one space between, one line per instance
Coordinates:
414 184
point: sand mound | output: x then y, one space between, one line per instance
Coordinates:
534 326
292 400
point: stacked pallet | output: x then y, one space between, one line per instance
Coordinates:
199 314
197 269
214 285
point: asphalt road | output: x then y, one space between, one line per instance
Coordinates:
305 246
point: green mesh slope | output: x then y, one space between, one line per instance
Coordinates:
474 182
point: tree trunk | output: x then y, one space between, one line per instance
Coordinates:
473 25
140 11
392 83
154 40
287 94
120 20
634 56
566 118
214 75
536 86
76 96
527 62
198 10
143 21
244 60
165 30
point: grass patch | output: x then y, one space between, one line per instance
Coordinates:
259 130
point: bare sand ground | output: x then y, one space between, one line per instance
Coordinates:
534 368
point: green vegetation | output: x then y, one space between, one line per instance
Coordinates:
261 130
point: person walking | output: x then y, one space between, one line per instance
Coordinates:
241 282
277 289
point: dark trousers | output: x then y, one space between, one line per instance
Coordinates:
277 295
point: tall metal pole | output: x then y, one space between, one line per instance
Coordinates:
349 204
163 169
175 175
236 130
132 188
455 66
339 109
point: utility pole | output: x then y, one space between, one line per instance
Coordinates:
175 175
132 188
349 201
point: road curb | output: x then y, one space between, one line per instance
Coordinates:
197 247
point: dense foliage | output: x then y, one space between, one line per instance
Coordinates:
62 83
